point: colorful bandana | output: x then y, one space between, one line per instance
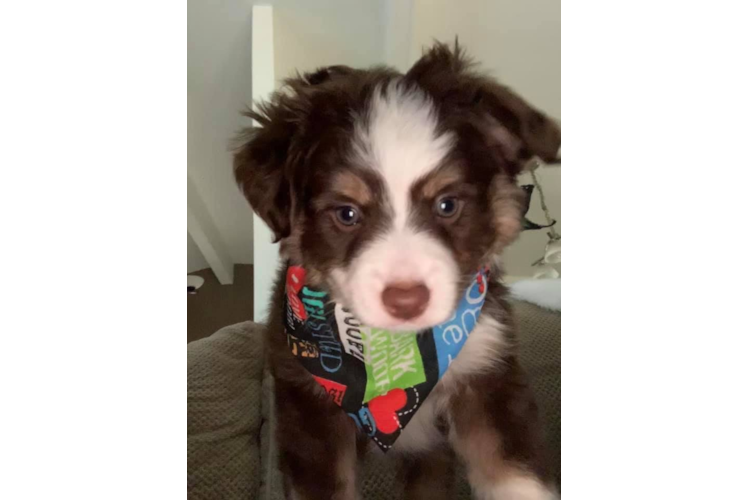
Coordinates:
380 378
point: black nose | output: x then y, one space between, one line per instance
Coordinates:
405 300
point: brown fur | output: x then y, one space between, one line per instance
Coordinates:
437 181
351 186
430 476
495 427
298 166
316 440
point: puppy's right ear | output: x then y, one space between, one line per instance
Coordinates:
511 126
261 168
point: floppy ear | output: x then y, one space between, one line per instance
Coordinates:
265 158
260 165
515 128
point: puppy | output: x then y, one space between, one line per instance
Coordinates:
390 190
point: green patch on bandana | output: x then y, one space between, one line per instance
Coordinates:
393 360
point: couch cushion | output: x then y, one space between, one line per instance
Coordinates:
224 374
539 336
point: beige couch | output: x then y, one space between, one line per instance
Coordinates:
230 451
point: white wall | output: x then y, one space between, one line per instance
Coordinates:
219 75
195 259
310 34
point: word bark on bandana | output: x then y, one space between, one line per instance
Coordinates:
380 378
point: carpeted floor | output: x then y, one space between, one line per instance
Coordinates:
215 305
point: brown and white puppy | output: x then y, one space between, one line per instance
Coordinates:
391 190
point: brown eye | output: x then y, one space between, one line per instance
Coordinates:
447 206
347 215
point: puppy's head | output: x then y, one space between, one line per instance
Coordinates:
393 190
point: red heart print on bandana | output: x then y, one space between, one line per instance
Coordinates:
383 410
294 282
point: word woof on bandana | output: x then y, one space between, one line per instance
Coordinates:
380 378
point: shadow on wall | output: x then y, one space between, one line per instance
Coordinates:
219 76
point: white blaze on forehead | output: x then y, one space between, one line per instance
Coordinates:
400 139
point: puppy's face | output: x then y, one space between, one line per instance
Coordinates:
401 217
393 190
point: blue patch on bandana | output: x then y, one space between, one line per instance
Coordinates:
451 335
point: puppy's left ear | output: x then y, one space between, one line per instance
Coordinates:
267 155
518 131
260 168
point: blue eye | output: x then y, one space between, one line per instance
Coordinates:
447 206
347 215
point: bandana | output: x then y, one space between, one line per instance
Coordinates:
378 377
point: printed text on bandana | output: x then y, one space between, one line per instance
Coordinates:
451 335
392 359
349 329
331 357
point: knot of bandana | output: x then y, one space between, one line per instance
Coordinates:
380 378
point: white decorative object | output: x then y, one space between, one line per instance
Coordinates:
544 293
553 252
545 271
549 266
